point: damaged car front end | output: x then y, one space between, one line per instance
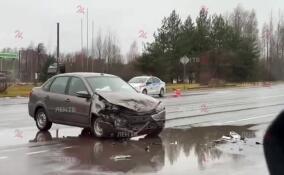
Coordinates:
126 114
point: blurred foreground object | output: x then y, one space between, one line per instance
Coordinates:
274 146
3 82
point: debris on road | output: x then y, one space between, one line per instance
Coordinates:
232 137
258 143
138 137
235 135
147 148
174 143
120 157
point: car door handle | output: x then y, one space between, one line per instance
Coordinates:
67 100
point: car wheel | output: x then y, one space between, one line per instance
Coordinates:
42 122
144 92
162 92
97 130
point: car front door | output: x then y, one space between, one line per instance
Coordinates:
79 108
56 99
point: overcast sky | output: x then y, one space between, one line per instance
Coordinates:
36 19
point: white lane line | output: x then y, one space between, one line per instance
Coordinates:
251 118
67 147
11 150
3 157
36 152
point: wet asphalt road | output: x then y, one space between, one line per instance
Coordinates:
186 146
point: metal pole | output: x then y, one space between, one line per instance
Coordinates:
81 56
87 38
92 46
184 72
57 68
19 68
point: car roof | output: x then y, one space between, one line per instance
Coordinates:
143 77
86 74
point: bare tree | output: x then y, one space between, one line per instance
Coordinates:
133 52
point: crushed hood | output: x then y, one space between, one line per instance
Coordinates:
134 101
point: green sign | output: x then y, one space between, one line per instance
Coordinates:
8 56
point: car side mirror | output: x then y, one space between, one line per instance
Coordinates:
148 83
83 94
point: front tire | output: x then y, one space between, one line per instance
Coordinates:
42 121
162 92
144 91
97 130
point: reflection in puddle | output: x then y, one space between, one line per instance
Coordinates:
178 150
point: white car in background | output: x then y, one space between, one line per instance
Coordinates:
148 85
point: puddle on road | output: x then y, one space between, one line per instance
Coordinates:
179 151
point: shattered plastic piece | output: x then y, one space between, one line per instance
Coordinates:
147 148
226 138
235 135
120 157
138 137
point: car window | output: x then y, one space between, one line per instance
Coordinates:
138 80
109 84
150 80
47 84
76 84
59 85
156 80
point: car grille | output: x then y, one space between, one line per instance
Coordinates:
137 119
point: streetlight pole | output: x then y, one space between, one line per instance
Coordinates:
57 56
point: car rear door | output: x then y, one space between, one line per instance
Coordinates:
56 99
156 85
80 107
149 86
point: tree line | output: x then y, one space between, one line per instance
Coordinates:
231 44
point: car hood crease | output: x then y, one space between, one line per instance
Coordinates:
136 102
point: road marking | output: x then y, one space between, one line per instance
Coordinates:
10 150
68 147
3 157
251 118
37 152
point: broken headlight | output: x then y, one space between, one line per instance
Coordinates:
120 122
160 108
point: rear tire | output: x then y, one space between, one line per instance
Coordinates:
42 121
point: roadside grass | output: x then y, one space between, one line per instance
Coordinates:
17 90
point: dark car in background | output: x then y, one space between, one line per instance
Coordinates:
102 103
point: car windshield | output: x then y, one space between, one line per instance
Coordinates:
109 84
138 80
